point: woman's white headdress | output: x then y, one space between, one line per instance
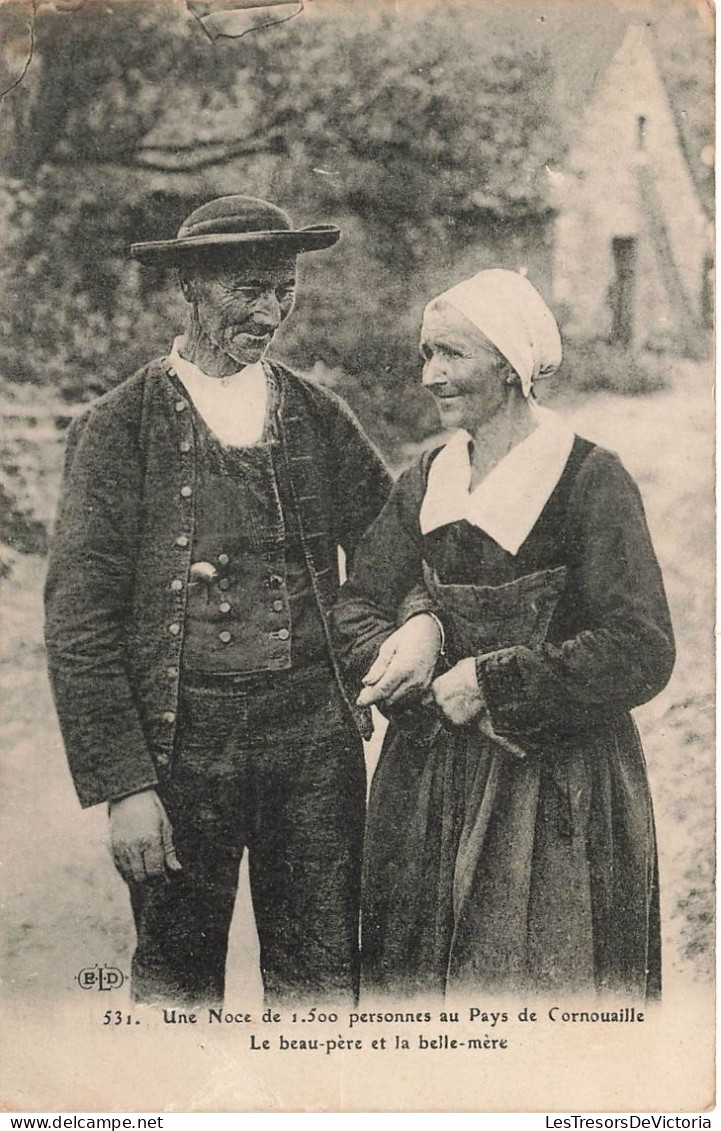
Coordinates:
508 309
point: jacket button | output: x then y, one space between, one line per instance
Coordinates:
183 540
223 559
176 585
278 606
283 634
172 672
162 758
274 581
224 606
171 371
186 492
169 717
225 637
224 583
184 447
180 406
174 629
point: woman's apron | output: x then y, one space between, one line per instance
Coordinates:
521 883
477 871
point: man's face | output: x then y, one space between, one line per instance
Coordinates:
239 305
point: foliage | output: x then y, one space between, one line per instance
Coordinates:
73 321
413 129
99 81
424 130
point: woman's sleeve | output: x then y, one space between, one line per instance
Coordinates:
626 654
386 580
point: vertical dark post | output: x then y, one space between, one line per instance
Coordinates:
706 303
640 132
623 291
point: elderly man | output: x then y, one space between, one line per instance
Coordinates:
193 568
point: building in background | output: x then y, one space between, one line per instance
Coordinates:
633 249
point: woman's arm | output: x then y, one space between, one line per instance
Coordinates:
626 654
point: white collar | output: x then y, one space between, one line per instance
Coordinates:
234 407
508 502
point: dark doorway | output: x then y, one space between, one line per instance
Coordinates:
623 291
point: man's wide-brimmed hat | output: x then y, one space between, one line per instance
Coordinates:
239 224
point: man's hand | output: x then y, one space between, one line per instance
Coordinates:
405 662
141 837
457 693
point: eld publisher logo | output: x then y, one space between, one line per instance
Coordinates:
100 978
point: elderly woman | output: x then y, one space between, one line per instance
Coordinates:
510 841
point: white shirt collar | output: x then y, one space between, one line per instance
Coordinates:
508 502
233 407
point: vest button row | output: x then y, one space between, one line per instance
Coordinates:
224 583
278 606
223 559
225 637
224 606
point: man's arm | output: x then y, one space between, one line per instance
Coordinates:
385 587
361 481
88 600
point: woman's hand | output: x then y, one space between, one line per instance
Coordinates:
457 693
405 662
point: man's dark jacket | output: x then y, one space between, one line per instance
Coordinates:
124 533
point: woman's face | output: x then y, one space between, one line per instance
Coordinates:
461 369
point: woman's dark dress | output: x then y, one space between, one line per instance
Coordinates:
485 871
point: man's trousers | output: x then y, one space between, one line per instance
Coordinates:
272 763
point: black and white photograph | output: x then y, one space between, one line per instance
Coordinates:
357 555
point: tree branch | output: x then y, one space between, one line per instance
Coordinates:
31 50
137 159
269 139
195 166
230 153
201 10
210 7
